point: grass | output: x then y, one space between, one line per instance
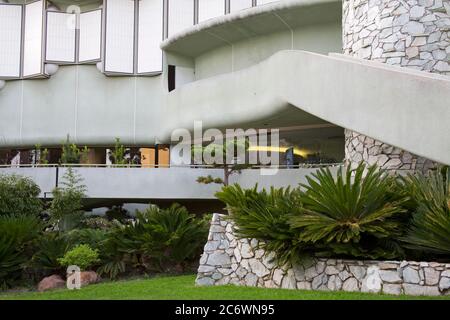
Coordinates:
183 288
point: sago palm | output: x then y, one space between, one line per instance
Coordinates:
350 213
429 230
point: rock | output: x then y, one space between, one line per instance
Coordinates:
237 254
251 280
318 281
269 260
351 284
417 290
278 276
334 283
431 276
311 273
304 285
358 271
211 246
203 258
258 268
206 269
331 270
246 251
299 273
289 281
88 277
395 289
372 282
217 276
413 28
320 267
390 276
218 259
241 272
50 283
444 284
410 275
344 275
204 281
446 273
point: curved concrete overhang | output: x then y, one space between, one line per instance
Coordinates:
406 108
252 22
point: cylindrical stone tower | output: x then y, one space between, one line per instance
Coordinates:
413 34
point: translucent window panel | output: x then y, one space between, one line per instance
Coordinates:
208 9
60 37
236 5
32 51
90 36
119 36
10 39
150 35
181 15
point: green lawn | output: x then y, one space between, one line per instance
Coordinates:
182 287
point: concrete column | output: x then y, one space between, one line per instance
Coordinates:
413 34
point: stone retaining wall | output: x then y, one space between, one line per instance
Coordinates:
228 260
413 34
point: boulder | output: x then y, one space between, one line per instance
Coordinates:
88 277
52 282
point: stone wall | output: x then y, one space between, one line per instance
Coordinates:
413 34
228 260
359 148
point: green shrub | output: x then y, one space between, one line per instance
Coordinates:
66 207
16 236
429 230
82 256
172 235
19 196
354 214
49 248
265 216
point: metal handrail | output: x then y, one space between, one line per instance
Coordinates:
192 166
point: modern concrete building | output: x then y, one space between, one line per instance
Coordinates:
351 80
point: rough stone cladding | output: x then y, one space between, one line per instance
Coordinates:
229 260
413 34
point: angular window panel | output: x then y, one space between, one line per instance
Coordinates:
33 63
150 35
90 36
236 5
61 35
181 15
208 9
119 36
10 40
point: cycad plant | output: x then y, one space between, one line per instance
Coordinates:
265 216
16 236
355 213
429 230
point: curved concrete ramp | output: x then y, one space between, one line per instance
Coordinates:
406 108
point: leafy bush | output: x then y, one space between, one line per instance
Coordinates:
70 153
354 214
19 196
265 216
82 256
16 236
158 239
66 207
49 248
171 235
429 231
358 213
